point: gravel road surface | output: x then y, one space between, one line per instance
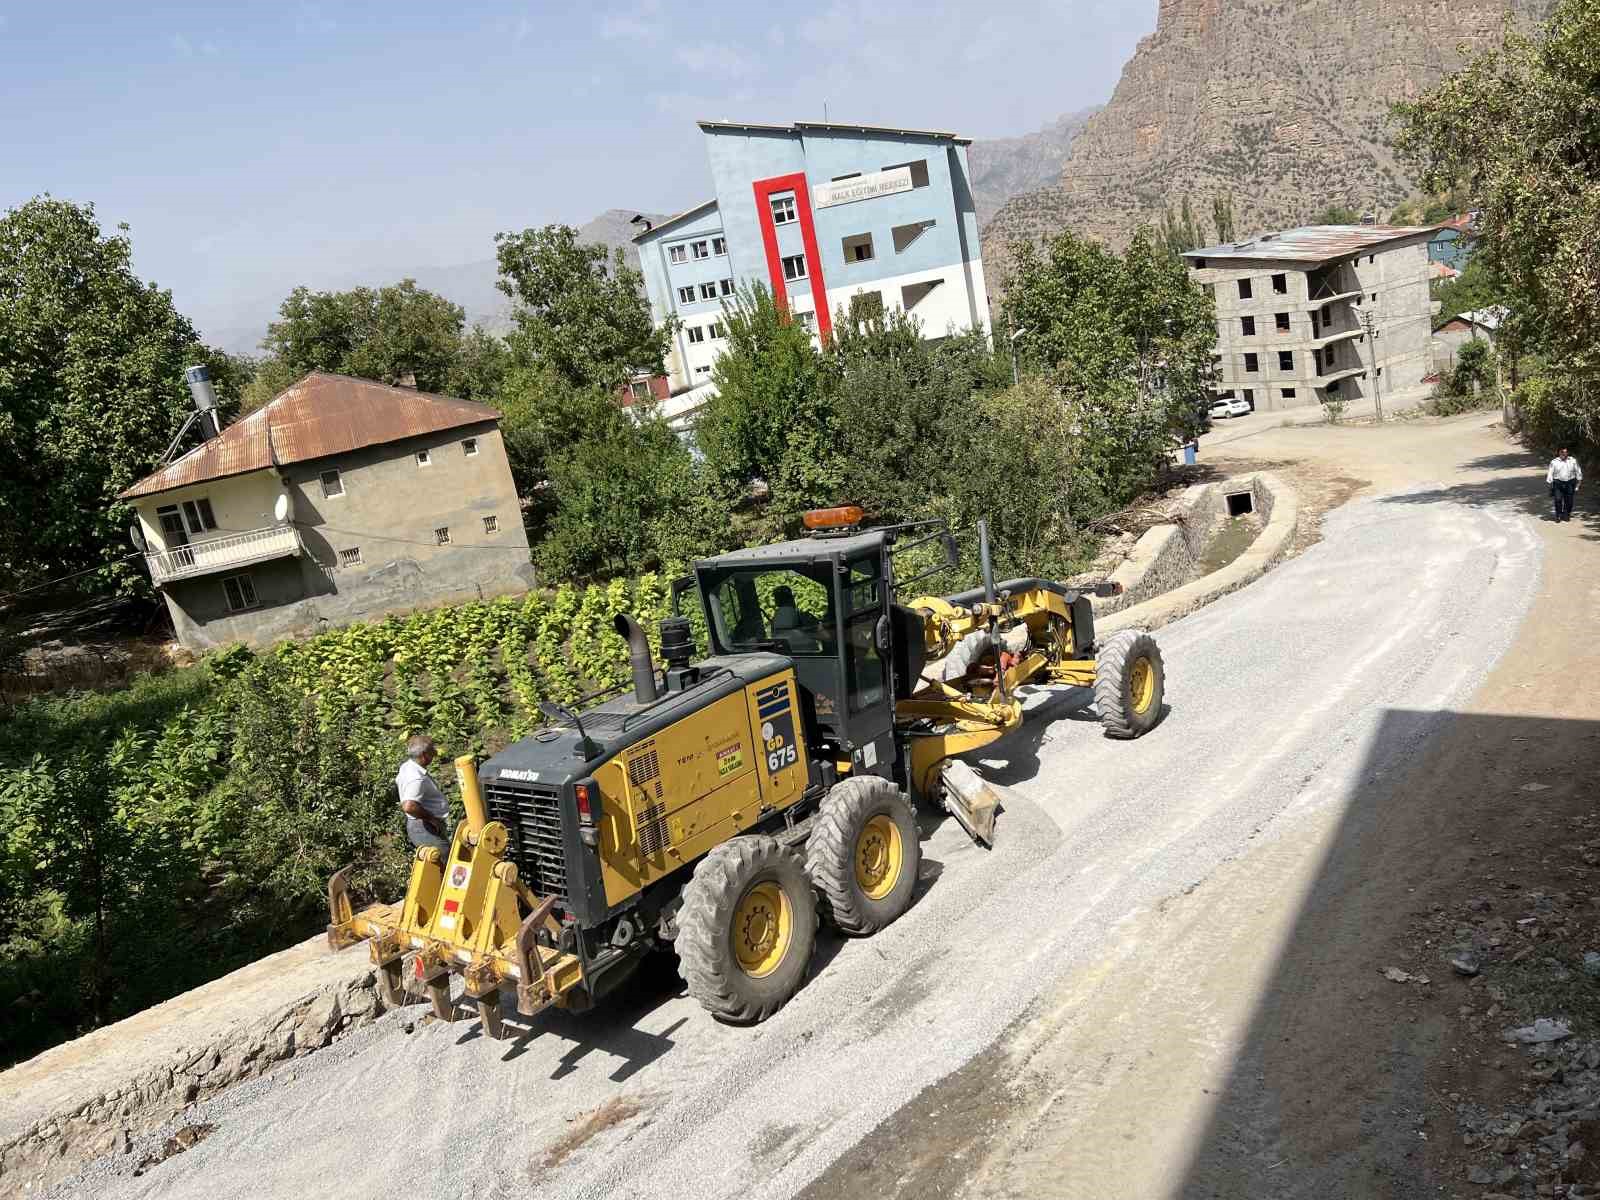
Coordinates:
1276 698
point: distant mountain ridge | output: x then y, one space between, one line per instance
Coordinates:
1283 107
1005 167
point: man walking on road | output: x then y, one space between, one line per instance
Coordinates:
425 807
1564 476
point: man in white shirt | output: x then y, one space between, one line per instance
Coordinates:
1564 476
426 809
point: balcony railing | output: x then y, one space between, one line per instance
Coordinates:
223 553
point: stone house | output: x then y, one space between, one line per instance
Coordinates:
341 500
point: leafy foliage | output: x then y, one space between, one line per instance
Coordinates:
396 334
578 312
1518 128
91 390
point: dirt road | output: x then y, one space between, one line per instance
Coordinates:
1097 1007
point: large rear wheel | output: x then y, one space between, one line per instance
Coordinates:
747 929
863 854
1129 683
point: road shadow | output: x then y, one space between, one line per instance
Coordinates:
1527 493
1340 1087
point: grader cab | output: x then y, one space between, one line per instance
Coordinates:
724 805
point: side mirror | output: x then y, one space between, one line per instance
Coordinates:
952 552
883 635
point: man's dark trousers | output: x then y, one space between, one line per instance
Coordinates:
1561 490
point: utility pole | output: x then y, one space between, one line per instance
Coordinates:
1369 322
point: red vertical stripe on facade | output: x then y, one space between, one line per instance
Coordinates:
764 189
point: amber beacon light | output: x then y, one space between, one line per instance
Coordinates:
834 518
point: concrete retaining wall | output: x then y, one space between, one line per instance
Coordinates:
92 1096
1280 507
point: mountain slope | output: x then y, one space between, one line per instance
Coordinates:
1005 167
1283 106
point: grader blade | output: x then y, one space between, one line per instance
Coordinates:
971 801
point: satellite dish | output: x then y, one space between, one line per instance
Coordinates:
136 536
280 510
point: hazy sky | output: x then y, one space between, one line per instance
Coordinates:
255 146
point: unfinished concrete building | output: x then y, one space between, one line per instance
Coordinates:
1293 311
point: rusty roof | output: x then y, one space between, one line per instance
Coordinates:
321 415
802 127
1314 243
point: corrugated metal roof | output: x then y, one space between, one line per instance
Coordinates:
321 415
661 226
1313 243
839 127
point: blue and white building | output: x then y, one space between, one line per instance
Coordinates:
829 217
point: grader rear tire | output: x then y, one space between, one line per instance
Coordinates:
1129 683
747 929
863 855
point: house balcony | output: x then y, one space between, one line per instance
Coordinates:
224 553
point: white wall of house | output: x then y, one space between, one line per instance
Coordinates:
239 502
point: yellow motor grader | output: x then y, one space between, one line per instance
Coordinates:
724 805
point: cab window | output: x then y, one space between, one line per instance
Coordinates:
867 676
789 611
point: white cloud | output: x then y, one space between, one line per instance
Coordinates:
639 23
728 61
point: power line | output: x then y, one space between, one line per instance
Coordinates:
63 578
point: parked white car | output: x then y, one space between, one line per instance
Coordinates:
1238 407
1221 410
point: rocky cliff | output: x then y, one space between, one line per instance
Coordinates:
1282 105
1005 167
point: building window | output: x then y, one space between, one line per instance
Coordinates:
919 171
782 210
640 389
864 306
491 524
1247 326
1327 313
1334 386
696 334
678 253
350 557
198 514
1288 393
719 246
702 248
1251 363
794 267
1200 264
914 294
1327 357
1316 360
858 247
332 485
1244 289
1313 321
1285 360
423 458
1374 297
708 291
714 330
1280 285
686 294
441 536
1283 322
172 530
240 593
725 287
1249 395
705 370
808 320
904 235
469 447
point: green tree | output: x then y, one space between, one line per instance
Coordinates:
1181 233
1519 128
1128 341
771 419
91 391
578 311
400 333
1474 289
1222 217
543 416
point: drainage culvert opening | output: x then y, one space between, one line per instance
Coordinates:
1241 504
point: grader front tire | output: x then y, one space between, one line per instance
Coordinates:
747 929
863 855
1129 683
